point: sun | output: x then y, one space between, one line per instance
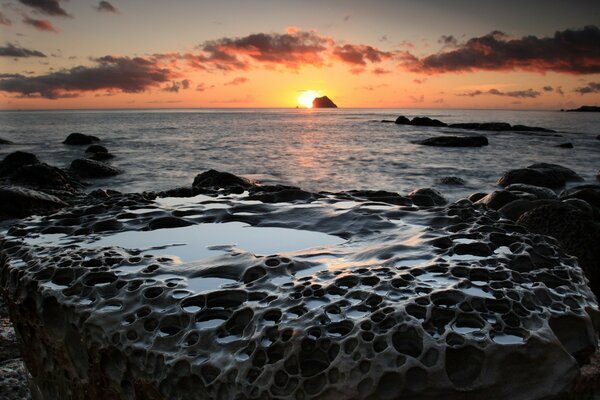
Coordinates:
306 98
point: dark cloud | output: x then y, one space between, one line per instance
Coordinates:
522 94
237 81
4 20
548 89
573 51
417 99
448 41
381 71
105 6
10 50
559 90
347 18
420 81
357 54
591 87
48 7
40 24
130 75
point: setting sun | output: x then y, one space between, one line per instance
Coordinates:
306 98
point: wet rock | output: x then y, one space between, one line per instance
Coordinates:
539 192
280 193
379 196
14 380
96 148
101 156
323 102
80 139
525 128
87 168
541 174
4 141
451 180
107 225
582 205
426 121
475 197
402 120
168 222
19 202
45 177
455 141
567 145
483 126
427 197
15 160
576 233
213 179
516 208
497 199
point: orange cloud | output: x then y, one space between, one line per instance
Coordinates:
40 24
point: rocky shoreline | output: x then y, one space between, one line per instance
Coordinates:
529 203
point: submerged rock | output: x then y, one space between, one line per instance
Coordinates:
87 168
451 180
96 148
427 197
323 102
80 139
4 141
455 141
565 145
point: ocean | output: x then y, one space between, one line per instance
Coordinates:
317 150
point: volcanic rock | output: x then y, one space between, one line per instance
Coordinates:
497 199
539 192
80 139
323 102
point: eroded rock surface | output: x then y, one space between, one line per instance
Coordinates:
452 302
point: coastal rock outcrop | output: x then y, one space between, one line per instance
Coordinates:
12 161
455 141
480 126
19 202
427 197
426 121
214 180
79 139
87 168
540 174
323 102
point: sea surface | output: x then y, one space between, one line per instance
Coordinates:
317 150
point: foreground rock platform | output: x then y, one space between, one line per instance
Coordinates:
389 300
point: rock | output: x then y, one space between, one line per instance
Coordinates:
541 174
80 139
101 156
483 126
598 137
213 179
516 208
589 195
107 225
15 160
582 205
19 202
540 192
567 145
14 380
93 169
598 175
402 120
280 193
323 102
4 141
450 180
576 233
380 196
497 199
455 141
427 197
168 222
96 148
586 109
43 176
426 121
525 128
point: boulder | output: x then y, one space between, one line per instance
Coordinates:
455 141
402 120
213 179
101 156
567 145
15 160
475 197
541 174
80 139
19 202
93 169
96 148
4 141
168 222
426 121
380 196
483 126
323 102
43 176
450 180
539 192
280 194
497 199
427 197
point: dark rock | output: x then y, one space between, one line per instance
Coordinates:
586 109
43 176
4 141
323 102
107 225
525 128
541 174
483 126
455 141
538 191
19 202
168 222
402 120
475 248
96 148
475 197
567 145
213 179
451 180
80 139
427 197
516 208
93 169
426 121
381 196
497 199
589 195
576 233
280 193
101 156
177 192
387 121
582 205
15 160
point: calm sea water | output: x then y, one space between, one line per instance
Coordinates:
315 149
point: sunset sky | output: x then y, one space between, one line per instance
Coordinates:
240 53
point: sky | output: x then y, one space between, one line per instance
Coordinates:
60 54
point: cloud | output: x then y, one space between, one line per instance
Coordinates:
572 51
105 6
559 90
356 54
125 74
417 99
522 94
237 81
48 7
176 86
591 87
40 24
420 81
201 87
548 89
347 18
381 71
4 20
448 41
10 50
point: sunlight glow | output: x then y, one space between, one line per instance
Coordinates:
306 98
